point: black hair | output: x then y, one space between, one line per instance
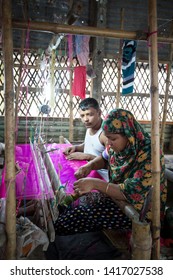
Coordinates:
87 103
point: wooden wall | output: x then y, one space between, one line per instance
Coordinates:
52 128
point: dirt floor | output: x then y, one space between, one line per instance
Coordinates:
89 246
84 246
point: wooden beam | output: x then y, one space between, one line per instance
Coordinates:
56 28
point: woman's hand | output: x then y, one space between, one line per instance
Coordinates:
85 185
83 171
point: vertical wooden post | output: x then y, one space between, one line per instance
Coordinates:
119 62
9 131
99 50
155 141
71 106
92 22
166 97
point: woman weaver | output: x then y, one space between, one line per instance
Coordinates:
128 159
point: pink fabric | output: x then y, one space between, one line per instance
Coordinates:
79 82
27 183
2 186
66 168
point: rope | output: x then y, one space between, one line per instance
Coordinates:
149 35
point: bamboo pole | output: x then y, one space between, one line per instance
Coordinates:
56 28
9 131
119 62
98 50
141 241
127 209
155 143
166 97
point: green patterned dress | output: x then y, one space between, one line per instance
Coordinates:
131 168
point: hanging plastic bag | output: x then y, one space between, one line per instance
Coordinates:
29 237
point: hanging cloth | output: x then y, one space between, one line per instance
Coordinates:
128 66
79 82
71 46
82 48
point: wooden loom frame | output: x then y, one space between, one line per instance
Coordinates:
7 26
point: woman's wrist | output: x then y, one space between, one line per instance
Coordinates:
99 185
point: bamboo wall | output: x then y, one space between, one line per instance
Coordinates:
33 90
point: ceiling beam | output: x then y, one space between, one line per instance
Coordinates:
85 30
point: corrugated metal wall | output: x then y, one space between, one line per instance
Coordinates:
136 19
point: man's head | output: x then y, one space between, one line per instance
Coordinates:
90 112
87 103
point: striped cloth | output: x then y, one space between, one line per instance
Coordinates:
128 66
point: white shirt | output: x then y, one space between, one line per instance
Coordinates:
93 146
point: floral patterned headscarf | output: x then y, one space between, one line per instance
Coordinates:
131 168
122 121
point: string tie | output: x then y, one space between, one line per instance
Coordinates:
149 35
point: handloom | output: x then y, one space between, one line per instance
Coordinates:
44 175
